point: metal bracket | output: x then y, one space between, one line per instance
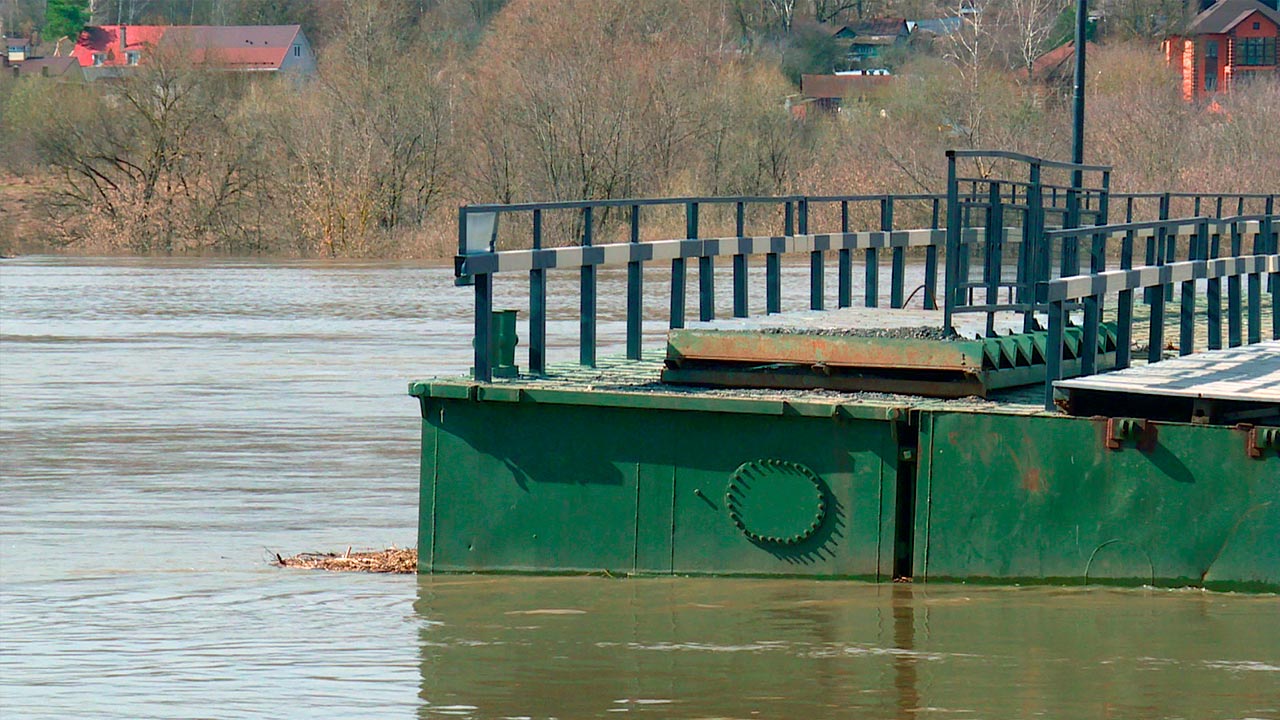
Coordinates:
1140 431
1259 440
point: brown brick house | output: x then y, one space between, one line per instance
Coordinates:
1230 43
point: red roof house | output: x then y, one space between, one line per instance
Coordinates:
1230 43
109 50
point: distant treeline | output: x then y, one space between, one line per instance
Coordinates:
420 106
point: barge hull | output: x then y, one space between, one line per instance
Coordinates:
535 476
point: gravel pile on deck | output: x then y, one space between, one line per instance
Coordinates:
919 332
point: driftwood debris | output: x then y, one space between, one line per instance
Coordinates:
391 560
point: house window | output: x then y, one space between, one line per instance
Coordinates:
132 56
1257 26
1256 51
99 59
297 51
1211 49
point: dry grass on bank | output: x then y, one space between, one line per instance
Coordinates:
391 560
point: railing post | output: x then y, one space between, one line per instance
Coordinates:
844 263
483 369
1213 290
1124 307
706 268
1170 241
1034 245
1053 350
994 252
898 266
537 306
773 265
951 279
1273 279
1155 328
1187 304
1235 332
817 269
740 263
1088 352
1254 329
1070 260
871 289
635 293
679 269
587 319
931 263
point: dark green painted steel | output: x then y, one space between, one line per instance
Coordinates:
1010 498
559 477
522 481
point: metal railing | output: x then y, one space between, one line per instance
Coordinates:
1027 194
1208 259
563 236
479 260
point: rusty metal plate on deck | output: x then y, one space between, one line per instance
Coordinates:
868 350
849 337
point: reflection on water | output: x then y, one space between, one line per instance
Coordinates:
694 648
166 425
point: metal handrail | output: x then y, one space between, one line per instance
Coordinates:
1156 279
479 261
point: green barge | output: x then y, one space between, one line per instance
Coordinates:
836 451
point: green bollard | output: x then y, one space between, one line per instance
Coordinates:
503 345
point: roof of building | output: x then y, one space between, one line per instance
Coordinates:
60 67
1224 15
244 47
840 86
880 26
936 26
1057 60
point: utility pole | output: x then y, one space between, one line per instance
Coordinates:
1077 115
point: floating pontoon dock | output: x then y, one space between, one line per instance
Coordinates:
1026 420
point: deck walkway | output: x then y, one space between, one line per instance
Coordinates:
1229 385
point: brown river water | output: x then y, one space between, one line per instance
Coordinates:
166 426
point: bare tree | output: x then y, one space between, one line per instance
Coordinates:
1028 27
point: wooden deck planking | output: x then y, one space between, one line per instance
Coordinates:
1250 373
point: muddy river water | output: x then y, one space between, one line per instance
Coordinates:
167 426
